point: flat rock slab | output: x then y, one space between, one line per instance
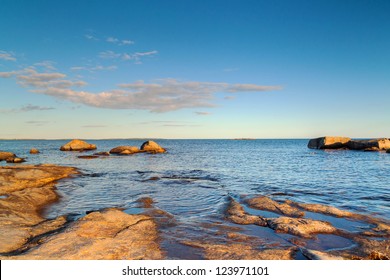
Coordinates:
27 189
110 234
236 214
266 203
301 227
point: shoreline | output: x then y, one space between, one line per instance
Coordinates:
105 234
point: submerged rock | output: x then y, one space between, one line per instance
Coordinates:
236 214
6 155
77 145
328 142
318 255
301 227
124 150
102 154
34 151
152 147
88 157
241 252
324 209
266 203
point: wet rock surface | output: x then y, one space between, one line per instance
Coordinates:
266 203
125 150
110 235
6 155
236 214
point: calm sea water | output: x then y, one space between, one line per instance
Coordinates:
197 177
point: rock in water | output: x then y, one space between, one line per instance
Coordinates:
124 150
152 147
77 145
388 151
6 155
34 151
369 145
329 142
15 160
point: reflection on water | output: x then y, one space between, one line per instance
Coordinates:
194 179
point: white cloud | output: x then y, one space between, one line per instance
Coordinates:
112 40
163 95
127 42
7 56
91 37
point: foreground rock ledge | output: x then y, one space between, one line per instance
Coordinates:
26 190
110 235
336 142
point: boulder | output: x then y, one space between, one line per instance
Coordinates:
152 147
329 142
124 150
34 151
369 145
6 155
77 145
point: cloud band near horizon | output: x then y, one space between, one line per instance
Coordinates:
164 95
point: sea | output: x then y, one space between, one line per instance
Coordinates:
195 180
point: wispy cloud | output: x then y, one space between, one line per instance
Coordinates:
29 77
230 69
251 87
7 56
229 97
26 108
93 126
46 64
203 113
37 123
118 42
109 55
94 68
7 74
91 37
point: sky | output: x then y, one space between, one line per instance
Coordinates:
194 69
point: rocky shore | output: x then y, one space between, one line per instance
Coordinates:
25 234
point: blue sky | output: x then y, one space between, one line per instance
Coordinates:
194 69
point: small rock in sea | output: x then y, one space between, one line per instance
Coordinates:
34 151
152 147
145 202
267 204
88 157
77 145
124 150
102 154
6 155
15 160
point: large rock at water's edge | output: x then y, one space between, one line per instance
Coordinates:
6 155
77 145
369 145
329 142
152 147
124 150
